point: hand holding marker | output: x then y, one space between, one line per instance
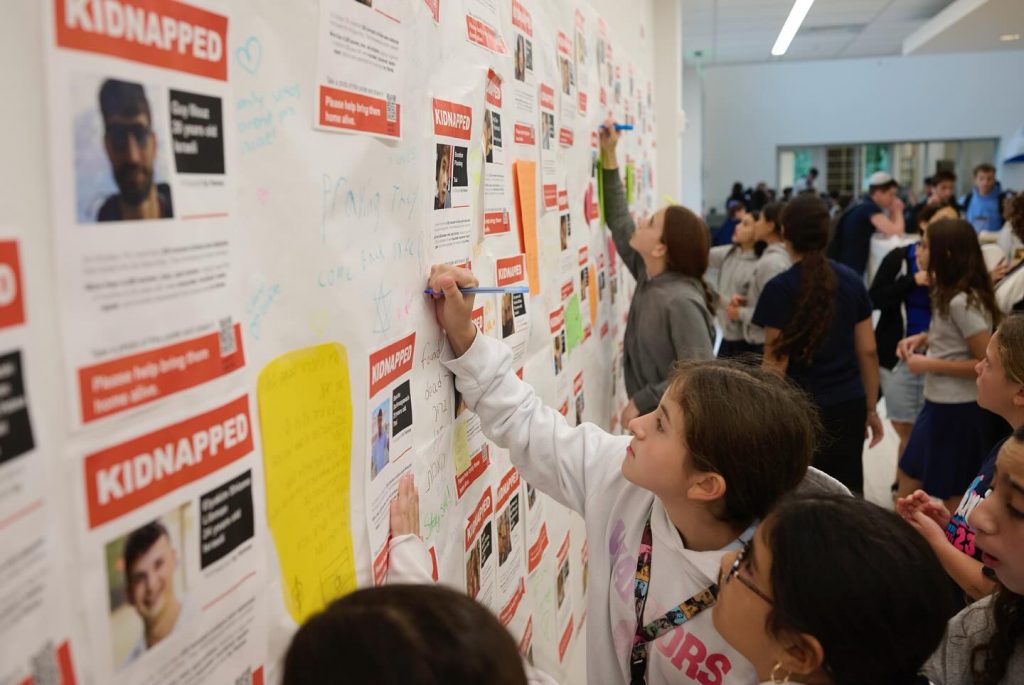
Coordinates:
513 289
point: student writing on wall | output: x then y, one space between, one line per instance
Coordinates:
671 316
660 508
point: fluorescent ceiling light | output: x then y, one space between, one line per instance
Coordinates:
792 25
1007 37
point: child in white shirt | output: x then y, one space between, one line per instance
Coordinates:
724 444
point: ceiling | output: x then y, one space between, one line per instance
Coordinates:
743 31
971 25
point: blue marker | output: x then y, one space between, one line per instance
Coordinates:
621 127
513 289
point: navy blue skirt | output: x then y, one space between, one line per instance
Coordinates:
946 447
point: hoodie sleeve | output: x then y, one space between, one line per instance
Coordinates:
571 464
616 213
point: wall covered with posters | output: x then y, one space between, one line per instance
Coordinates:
216 359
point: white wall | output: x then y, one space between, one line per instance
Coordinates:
749 110
693 145
668 83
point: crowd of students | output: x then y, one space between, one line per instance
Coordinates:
737 488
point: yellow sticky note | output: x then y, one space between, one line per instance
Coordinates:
305 405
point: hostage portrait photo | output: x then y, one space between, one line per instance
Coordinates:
380 438
443 177
121 151
147 585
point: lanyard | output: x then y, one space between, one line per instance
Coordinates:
672 619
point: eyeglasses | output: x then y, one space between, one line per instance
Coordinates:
734 572
118 134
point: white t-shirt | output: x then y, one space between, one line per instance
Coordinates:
947 339
1009 242
580 468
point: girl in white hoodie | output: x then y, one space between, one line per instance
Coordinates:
661 507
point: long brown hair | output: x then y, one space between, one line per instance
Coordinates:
1010 344
687 239
1016 215
757 430
805 225
772 212
956 265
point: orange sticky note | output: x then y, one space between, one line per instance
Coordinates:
526 209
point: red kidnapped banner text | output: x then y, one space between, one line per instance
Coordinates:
163 33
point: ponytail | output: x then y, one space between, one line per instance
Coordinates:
805 224
709 297
688 240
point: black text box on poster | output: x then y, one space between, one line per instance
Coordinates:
495 129
518 304
485 543
15 427
197 133
460 174
401 400
227 519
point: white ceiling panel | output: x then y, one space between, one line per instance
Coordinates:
739 31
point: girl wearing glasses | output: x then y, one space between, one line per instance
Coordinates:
833 591
660 507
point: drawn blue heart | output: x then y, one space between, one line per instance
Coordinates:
250 55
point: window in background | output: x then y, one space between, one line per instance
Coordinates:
877 157
803 160
787 166
847 167
842 161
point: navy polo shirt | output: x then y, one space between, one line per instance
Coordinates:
855 231
833 375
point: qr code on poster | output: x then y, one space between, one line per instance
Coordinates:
44 666
392 112
245 678
227 337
